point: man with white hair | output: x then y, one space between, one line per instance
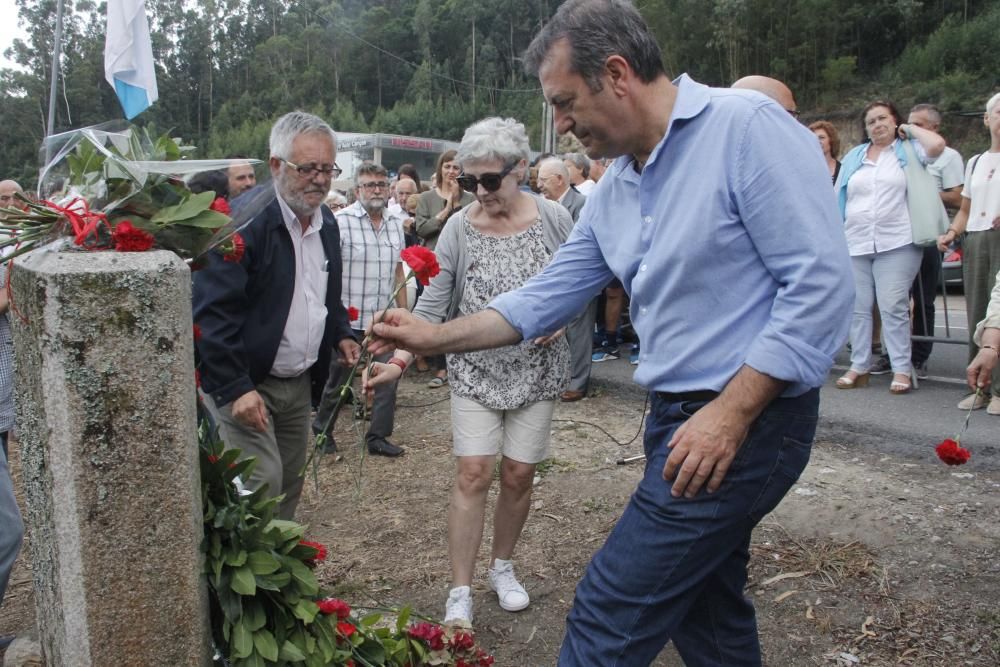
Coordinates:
553 179
271 316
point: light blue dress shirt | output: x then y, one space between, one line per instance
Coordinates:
729 243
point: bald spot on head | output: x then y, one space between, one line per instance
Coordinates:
773 88
7 190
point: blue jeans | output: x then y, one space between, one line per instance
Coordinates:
675 568
11 526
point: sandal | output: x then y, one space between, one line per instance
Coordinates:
436 382
852 380
898 386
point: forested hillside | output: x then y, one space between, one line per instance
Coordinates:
226 68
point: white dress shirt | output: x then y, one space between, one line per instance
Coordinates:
585 187
877 218
300 341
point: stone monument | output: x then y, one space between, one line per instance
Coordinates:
106 422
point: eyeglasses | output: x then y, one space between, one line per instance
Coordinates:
310 170
374 185
490 182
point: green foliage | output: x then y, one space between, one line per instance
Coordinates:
266 603
227 68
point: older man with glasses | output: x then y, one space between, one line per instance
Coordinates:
371 239
270 319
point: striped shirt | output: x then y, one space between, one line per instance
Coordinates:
370 258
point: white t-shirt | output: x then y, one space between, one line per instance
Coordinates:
982 187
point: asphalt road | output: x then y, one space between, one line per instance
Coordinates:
909 425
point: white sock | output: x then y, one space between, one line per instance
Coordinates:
460 591
499 562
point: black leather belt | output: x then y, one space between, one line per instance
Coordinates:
687 396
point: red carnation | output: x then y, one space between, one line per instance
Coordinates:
422 261
346 629
462 641
129 238
220 205
335 606
320 549
233 249
212 458
197 333
952 453
353 314
429 632
485 659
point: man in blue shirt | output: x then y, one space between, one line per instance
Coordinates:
718 218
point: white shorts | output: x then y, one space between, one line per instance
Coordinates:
521 435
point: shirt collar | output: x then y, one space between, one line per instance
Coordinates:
691 99
292 221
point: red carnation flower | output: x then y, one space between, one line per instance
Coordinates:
212 458
429 632
485 659
353 314
462 641
952 453
320 549
197 333
128 238
220 205
346 629
233 249
422 261
334 606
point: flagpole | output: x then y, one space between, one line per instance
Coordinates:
56 50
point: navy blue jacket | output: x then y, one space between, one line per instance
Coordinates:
242 307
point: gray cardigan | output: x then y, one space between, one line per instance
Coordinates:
442 297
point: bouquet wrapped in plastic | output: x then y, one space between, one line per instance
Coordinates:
116 187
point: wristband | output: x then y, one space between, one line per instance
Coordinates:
991 347
396 361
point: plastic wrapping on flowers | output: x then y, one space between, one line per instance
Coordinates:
97 178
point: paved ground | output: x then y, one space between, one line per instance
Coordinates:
908 425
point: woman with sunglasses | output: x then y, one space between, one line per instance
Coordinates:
501 400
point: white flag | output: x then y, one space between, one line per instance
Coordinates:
128 56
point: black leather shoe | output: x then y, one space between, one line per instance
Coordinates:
5 641
382 447
330 446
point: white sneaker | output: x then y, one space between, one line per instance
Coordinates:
994 407
510 592
458 609
974 402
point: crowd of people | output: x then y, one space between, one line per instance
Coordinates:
551 263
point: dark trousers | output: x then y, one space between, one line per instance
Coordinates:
923 291
383 409
675 568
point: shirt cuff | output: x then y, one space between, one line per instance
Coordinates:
792 360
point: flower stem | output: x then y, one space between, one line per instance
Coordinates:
345 388
965 426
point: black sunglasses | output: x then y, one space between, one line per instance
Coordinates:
490 182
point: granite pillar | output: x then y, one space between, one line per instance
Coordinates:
106 420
